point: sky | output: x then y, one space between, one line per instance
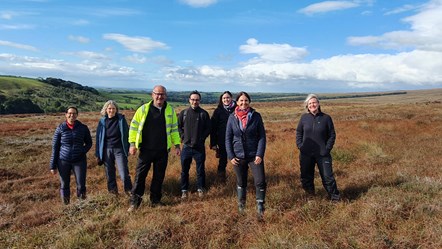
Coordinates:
217 45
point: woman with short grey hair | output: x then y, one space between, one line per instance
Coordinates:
315 137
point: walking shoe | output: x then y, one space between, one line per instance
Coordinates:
132 208
200 193
184 195
241 208
65 200
82 196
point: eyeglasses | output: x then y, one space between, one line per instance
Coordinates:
195 100
71 113
159 94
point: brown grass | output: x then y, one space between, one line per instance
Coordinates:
386 159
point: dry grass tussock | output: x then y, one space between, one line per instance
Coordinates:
386 159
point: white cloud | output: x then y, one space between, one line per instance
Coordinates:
273 52
136 58
328 6
137 44
80 22
401 9
425 32
15 26
7 15
83 72
18 45
80 39
199 3
88 55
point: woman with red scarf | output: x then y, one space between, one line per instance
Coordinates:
245 146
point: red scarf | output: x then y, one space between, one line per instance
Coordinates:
70 126
242 115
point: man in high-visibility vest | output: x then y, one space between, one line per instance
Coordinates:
153 132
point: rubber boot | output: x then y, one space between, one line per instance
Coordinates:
241 199
260 200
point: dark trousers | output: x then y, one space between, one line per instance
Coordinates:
110 157
241 171
324 163
222 160
79 168
159 160
199 154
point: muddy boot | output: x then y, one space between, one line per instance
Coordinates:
241 199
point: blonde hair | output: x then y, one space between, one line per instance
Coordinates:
106 105
309 97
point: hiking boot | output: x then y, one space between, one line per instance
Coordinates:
200 193
184 195
260 210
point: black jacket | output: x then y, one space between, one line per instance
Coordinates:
194 126
219 124
248 143
315 134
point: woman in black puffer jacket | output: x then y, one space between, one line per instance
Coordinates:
72 140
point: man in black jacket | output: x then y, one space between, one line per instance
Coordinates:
194 128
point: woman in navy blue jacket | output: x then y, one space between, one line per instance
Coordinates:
226 106
245 146
315 137
71 141
112 146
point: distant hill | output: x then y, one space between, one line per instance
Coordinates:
27 95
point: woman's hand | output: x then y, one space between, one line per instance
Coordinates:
258 160
235 161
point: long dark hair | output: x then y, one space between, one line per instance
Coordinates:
220 102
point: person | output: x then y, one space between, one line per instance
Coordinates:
194 128
112 146
315 137
153 131
226 106
245 146
72 140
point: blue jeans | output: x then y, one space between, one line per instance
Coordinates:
199 154
324 163
110 157
79 168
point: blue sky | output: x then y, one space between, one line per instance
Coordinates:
217 45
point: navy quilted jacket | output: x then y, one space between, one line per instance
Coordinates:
248 143
70 144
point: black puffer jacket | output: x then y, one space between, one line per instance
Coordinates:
248 143
70 144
